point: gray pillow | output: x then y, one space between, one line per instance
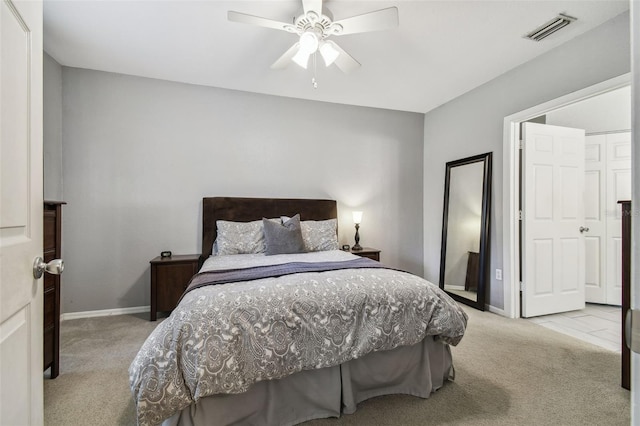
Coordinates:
283 239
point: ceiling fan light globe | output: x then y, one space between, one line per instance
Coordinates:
308 42
301 58
329 53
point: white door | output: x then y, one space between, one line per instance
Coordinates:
618 188
553 267
607 181
21 316
595 215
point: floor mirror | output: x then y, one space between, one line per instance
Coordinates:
464 254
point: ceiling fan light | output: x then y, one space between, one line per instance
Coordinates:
301 58
329 53
308 42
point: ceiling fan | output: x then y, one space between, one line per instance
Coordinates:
313 27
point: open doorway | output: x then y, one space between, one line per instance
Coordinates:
511 172
601 128
604 114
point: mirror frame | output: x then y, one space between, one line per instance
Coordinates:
484 254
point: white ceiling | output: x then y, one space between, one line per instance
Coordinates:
440 50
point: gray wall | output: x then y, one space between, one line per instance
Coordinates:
473 124
141 153
52 128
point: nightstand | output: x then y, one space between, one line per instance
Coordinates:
369 252
169 279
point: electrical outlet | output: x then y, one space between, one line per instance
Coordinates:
499 274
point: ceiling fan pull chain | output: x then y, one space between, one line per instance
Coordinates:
314 82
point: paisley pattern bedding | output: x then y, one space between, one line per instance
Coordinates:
224 338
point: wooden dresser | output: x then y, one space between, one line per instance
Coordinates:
52 250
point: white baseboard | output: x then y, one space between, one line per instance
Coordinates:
496 311
104 313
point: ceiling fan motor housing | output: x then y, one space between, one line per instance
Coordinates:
321 24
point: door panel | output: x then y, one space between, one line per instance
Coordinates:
15 346
570 265
553 248
21 313
543 194
542 268
592 278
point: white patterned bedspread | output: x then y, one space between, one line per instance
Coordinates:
223 338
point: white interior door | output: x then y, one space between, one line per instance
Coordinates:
21 316
607 181
553 253
595 215
618 188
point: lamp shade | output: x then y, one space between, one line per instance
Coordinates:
357 217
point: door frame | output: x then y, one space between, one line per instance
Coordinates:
511 182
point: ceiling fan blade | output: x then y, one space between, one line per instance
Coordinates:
256 20
312 5
285 59
345 62
382 19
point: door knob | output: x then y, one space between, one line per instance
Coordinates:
583 229
55 267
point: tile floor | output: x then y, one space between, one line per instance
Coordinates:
597 324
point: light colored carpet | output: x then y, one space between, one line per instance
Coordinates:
508 372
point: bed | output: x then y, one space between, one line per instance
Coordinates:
283 338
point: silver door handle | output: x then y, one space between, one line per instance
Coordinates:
55 267
583 229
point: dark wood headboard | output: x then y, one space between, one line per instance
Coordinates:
249 209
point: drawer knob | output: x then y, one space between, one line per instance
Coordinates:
55 267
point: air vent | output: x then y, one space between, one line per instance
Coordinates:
545 30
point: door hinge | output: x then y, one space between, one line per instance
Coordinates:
519 214
520 144
521 286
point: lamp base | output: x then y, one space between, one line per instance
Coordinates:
356 247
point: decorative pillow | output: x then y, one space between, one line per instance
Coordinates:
238 238
319 235
283 238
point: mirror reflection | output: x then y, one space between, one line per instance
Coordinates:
464 260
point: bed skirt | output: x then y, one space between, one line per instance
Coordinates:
416 370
